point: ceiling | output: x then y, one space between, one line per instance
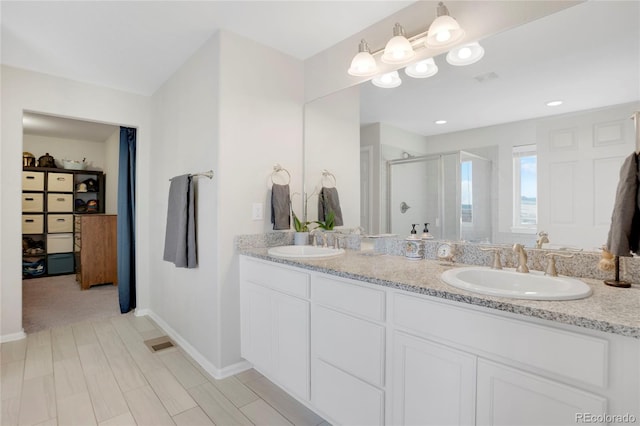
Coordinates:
566 55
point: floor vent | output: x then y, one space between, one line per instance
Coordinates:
159 343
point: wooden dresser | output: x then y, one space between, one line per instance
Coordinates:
96 249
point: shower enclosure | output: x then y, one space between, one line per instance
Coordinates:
450 191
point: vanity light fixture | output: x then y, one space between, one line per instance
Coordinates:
422 69
444 31
554 103
398 50
388 80
363 64
466 54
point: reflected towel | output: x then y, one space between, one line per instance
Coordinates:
624 233
328 200
180 237
280 216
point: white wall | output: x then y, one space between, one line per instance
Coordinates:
185 127
28 91
332 136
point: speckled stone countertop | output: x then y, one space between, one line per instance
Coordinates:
608 309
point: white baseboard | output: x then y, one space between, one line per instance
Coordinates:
14 336
215 372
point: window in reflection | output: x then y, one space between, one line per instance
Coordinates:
525 173
466 193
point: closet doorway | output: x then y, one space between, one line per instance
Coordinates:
70 225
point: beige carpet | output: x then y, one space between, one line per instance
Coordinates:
55 301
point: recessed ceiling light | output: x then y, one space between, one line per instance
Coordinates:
554 103
440 121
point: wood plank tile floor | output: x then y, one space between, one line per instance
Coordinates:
101 373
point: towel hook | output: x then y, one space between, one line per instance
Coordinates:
328 175
277 168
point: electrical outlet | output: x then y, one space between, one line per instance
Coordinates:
257 211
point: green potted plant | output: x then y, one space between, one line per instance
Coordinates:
301 236
328 223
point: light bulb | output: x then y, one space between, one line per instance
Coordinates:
464 53
443 36
421 67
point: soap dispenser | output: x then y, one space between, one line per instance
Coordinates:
426 235
413 249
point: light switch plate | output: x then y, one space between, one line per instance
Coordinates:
257 211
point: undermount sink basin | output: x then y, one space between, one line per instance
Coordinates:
516 285
304 252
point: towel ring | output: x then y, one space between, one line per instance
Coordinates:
328 175
277 168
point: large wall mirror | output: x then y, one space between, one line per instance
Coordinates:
504 166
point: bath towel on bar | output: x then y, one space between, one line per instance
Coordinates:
328 200
180 237
624 233
280 207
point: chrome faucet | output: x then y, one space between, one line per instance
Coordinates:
544 238
316 234
522 258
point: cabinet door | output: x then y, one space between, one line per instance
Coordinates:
291 343
256 326
275 336
511 397
432 384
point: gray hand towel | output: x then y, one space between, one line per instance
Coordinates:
624 233
180 237
328 200
280 207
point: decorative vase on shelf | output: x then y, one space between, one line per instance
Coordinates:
301 238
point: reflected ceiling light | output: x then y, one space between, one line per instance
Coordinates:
440 121
388 80
422 69
398 50
444 31
363 64
554 103
466 54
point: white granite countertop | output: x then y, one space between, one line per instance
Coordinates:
608 309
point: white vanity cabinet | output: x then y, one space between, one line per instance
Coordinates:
365 354
348 351
275 315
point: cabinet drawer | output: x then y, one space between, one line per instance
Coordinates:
347 400
32 224
348 297
32 202
275 277
59 202
352 344
59 223
59 243
33 181
569 354
62 182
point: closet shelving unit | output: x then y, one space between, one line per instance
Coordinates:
49 201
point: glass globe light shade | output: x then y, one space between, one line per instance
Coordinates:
422 69
388 80
363 65
444 32
466 54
